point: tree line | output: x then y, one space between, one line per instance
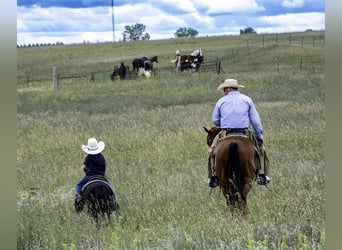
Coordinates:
137 32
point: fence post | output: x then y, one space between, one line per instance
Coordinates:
233 54
277 39
313 41
302 41
216 64
289 38
218 69
247 48
263 41
278 64
54 77
301 64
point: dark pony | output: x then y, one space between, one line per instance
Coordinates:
120 70
99 199
148 65
235 167
140 63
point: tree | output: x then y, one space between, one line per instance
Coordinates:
248 30
135 32
186 32
146 36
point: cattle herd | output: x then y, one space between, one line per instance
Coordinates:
144 66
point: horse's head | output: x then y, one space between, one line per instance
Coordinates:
212 133
154 59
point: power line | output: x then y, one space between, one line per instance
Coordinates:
113 24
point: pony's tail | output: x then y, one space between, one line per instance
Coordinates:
233 165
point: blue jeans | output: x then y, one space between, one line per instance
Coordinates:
81 183
236 130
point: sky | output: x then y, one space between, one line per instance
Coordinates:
79 21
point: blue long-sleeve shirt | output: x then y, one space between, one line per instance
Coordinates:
236 110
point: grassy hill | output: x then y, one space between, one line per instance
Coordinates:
156 146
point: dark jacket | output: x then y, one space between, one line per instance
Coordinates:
95 164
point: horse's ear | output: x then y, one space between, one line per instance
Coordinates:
206 130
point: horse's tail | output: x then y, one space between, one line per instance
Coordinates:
100 197
234 175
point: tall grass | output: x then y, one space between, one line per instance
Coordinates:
156 155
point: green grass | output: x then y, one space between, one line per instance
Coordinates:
156 149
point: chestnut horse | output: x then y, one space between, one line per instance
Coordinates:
235 167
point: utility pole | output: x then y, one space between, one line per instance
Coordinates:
113 24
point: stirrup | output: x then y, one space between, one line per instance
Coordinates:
213 181
262 179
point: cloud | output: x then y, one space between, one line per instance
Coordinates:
221 7
63 19
162 18
180 5
293 22
293 3
64 3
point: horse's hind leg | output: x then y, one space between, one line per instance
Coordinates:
114 206
247 187
230 202
108 211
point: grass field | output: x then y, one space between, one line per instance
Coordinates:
156 147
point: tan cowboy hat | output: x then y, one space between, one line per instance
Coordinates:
93 147
229 83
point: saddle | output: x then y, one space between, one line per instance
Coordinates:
251 136
98 180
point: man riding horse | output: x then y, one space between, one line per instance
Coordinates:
233 113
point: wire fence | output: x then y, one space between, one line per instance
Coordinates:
214 66
247 45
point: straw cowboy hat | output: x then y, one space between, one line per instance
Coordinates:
229 83
93 147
